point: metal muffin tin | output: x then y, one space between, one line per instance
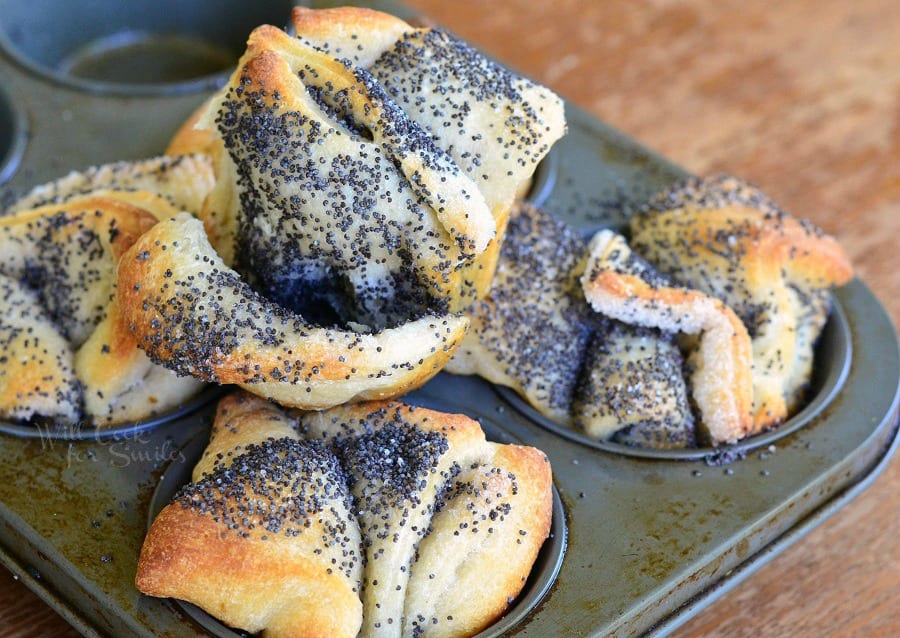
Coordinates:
649 538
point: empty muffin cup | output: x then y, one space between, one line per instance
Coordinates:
543 180
136 48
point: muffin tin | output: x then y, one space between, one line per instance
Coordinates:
641 539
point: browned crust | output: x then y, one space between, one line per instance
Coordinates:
769 246
332 366
328 21
100 213
242 419
337 26
186 556
281 587
725 398
189 140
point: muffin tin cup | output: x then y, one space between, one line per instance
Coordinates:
133 48
90 432
13 136
648 539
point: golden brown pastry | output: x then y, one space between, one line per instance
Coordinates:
37 377
336 191
184 181
59 268
402 520
495 125
620 284
194 315
535 333
266 541
726 238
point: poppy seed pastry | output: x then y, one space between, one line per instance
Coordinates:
266 540
379 519
184 181
336 191
632 389
69 359
726 238
194 315
535 333
622 285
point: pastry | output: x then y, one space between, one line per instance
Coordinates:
194 315
621 285
267 539
403 520
336 192
495 125
535 333
632 389
726 238
184 181
69 359
531 331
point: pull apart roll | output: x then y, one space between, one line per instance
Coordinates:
184 181
726 238
375 520
69 358
333 189
264 538
194 315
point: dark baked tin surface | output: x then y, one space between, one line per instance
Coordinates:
650 540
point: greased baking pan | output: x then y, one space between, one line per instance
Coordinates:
647 539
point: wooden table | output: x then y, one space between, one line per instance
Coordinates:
801 98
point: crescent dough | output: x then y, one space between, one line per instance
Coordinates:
338 187
621 285
726 238
194 315
379 519
184 181
535 333
64 255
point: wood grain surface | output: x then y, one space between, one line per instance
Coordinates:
801 98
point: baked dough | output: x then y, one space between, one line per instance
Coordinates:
399 521
337 192
632 389
59 266
536 334
532 330
495 125
726 238
266 541
184 181
620 284
194 315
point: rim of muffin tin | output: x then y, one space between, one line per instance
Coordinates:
13 136
207 82
91 432
831 366
172 36
543 180
541 579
